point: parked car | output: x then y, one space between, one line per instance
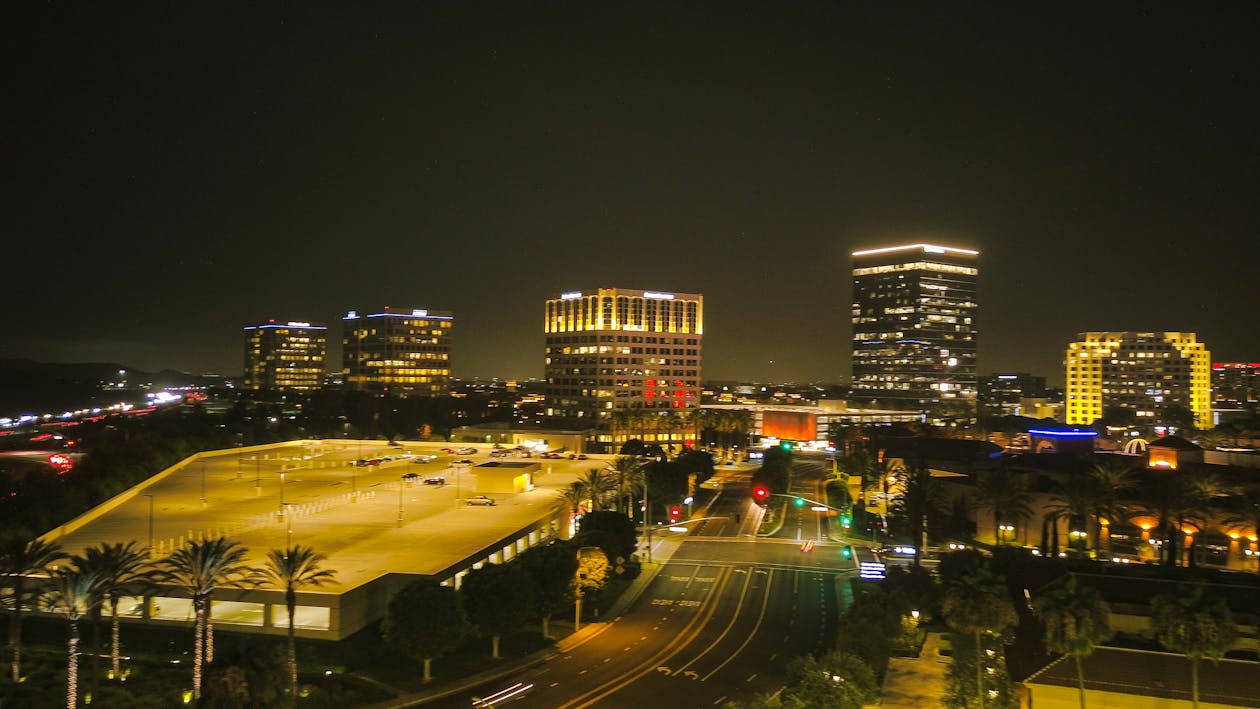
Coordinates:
467 451
464 461
360 463
480 500
410 477
375 461
425 459
436 480
447 450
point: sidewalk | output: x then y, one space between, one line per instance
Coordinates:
911 683
663 549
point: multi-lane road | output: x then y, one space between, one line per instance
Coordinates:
720 621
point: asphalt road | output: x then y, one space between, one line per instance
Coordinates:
720 621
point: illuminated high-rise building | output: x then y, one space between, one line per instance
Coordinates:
285 356
914 327
1236 383
616 350
400 351
1147 372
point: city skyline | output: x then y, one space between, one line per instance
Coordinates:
186 172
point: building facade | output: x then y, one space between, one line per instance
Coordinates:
614 353
285 357
914 327
1147 372
1001 394
397 351
1236 383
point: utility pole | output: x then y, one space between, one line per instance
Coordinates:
150 523
647 528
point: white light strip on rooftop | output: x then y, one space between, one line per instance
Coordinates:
658 296
926 247
571 296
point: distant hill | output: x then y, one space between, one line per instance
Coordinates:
27 386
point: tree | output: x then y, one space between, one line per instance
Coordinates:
1109 484
1177 498
291 569
70 590
574 495
120 570
1071 502
1196 624
1006 494
198 569
613 532
1245 516
425 620
628 473
591 576
550 569
977 604
920 496
20 558
497 598
836 680
597 486
1075 619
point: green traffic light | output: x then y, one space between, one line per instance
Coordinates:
846 521
785 446
846 552
800 502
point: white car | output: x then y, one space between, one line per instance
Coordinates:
466 451
480 501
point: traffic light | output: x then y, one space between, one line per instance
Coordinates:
799 502
761 493
846 552
674 513
786 445
846 521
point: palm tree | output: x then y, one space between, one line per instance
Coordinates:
1177 498
978 604
920 496
19 559
198 569
1109 485
120 570
69 592
628 472
1245 518
292 569
1071 502
1195 624
575 495
1075 618
1006 494
597 486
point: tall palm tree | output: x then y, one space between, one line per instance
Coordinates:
921 494
574 495
1005 493
1071 502
978 604
1075 619
20 558
1110 484
198 569
291 569
1245 517
1177 498
1195 624
69 592
597 486
120 570
628 472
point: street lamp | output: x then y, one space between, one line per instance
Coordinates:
150 523
1003 530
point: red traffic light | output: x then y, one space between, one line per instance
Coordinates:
760 492
675 512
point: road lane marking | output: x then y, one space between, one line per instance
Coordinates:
734 618
765 603
751 677
681 640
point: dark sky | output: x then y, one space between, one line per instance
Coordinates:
182 169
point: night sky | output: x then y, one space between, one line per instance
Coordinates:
183 169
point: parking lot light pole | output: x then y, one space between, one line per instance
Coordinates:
400 503
150 523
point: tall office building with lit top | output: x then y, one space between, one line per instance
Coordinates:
399 351
617 349
285 356
1143 371
914 329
